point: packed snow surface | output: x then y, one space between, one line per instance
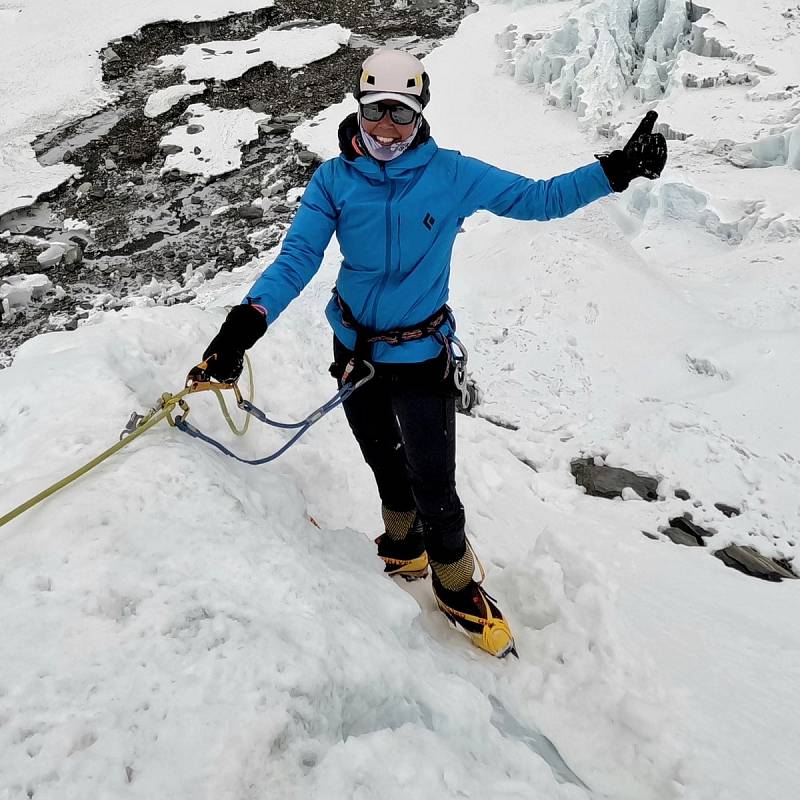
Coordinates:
211 142
179 625
164 99
19 290
50 73
22 178
226 60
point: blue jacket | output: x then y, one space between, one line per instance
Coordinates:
396 224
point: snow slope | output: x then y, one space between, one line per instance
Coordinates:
50 73
177 625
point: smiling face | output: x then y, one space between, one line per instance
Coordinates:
386 131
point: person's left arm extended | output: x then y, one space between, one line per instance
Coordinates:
510 195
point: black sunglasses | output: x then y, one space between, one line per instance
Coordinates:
399 114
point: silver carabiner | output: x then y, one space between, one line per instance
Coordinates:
132 424
459 361
370 374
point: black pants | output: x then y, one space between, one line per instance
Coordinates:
404 420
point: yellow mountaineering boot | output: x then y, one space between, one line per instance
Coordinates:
470 607
402 546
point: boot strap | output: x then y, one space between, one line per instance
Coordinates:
489 619
398 562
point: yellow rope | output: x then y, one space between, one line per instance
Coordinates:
73 476
224 408
163 410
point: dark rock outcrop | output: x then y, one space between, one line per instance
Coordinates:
749 561
680 536
686 525
728 511
608 482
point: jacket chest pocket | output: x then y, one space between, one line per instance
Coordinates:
361 230
420 225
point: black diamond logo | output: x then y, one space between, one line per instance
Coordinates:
428 222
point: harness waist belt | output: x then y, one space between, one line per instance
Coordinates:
428 327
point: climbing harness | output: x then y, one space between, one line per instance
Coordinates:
457 355
169 404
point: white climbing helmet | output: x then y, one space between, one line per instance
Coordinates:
393 75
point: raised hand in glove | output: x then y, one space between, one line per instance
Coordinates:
243 327
644 156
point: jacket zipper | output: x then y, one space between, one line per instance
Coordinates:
387 264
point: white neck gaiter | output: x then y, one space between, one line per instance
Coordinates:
387 152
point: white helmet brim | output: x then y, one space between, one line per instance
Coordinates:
406 100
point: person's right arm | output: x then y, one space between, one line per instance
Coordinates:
302 250
283 280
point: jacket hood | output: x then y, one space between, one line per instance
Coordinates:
420 152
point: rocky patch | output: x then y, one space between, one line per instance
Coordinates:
132 220
601 480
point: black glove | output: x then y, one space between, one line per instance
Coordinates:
644 156
243 327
